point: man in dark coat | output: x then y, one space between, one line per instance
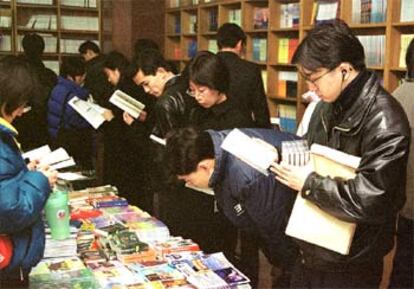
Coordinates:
246 84
251 200
357 116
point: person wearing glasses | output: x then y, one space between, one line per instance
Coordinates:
358 116
209 86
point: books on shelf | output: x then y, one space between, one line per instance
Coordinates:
39 2
192 23
42 21
49 39
287 84
79 23
260 17
325 10
374 47
235 16
289 15
72 45
310 223
260 49
52 64
177 24
212 20
287 117
191 48
5 18
5 42
369 11
407 8
254 152
405 40
286 49
212 45
127 103
174 3
79 3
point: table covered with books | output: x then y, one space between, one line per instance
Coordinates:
115 245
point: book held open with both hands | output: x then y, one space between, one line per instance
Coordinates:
127 103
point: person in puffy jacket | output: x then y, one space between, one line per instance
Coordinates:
67 128
23 192
252 201
356 115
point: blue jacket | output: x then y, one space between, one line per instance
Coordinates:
23 195
252 200
71 119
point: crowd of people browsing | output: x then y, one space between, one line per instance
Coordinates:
194 110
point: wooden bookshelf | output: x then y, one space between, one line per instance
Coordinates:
62 26
387 25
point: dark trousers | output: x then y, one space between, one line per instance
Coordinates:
355 276
13 280
403 267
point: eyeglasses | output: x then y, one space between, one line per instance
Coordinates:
193 93
314 81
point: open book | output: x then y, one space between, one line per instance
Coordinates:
127 103
311 224
91 112
57 159
255 152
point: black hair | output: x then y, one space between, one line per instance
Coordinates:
72 66
116 60
327 45
18 83
143 44
208 69
148 61
229 34
186 148
89 45
33 45
409 59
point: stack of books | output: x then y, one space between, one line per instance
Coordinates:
56 273
260 17
286 49
289 15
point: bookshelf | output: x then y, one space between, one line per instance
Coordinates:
275 27
63 24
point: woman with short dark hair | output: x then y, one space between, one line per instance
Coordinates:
23 192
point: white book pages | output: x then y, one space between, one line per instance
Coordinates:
127 103
71 176
38 153
88 111
335 155
255 152
63 164
310 223
158 140
55 156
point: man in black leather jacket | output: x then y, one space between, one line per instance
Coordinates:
356 116
173 105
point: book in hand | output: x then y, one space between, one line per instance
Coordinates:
57 159
127 103
91 112
253 151
307 221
